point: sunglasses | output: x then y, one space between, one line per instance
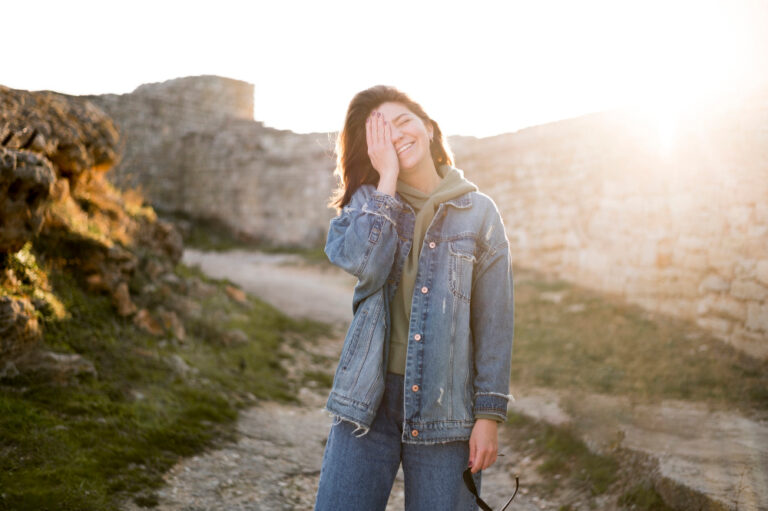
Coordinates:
470 483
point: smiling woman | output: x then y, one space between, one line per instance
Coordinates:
425 365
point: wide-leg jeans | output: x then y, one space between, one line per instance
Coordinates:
358 472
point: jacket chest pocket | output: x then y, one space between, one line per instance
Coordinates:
462 262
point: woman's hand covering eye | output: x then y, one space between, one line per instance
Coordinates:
381 150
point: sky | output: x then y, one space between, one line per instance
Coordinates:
479 68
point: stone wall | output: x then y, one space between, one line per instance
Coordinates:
678 226
192 146
271 185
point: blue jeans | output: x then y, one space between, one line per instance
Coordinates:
358 472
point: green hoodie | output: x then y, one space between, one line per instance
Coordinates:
452 185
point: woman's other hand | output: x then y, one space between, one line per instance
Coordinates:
483 444
381 150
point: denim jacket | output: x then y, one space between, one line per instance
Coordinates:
460 331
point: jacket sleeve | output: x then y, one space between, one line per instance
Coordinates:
492 323
362 239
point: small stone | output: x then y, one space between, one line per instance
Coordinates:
180 366
554 297
172 323
9 371
236 294
144 320
121 298
59 368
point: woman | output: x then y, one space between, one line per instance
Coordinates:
424 372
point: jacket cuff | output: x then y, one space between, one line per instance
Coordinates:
488 416
491 404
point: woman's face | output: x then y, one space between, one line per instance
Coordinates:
410 135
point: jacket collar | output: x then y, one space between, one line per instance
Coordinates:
462 201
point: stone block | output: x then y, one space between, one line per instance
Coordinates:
715 324
748 290
722 261
697 261
761 271
703 304
730 308
714 282
752 343
745 266
757 317
681 307
677 285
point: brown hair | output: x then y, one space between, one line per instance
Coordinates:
353 166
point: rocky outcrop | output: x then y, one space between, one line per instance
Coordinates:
73 134
54 200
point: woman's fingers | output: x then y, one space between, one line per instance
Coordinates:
483 459
369 132
488 459
377 128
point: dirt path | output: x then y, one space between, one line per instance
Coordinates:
284 280
707 460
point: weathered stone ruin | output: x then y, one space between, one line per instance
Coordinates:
192 146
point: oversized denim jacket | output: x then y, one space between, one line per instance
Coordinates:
460 331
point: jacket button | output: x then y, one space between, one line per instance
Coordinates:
417 337
424 290
414 432
415 388
431 244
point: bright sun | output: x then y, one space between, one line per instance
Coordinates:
691 55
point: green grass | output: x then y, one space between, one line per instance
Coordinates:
96 441
643 497
562 454
615 348
321 379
